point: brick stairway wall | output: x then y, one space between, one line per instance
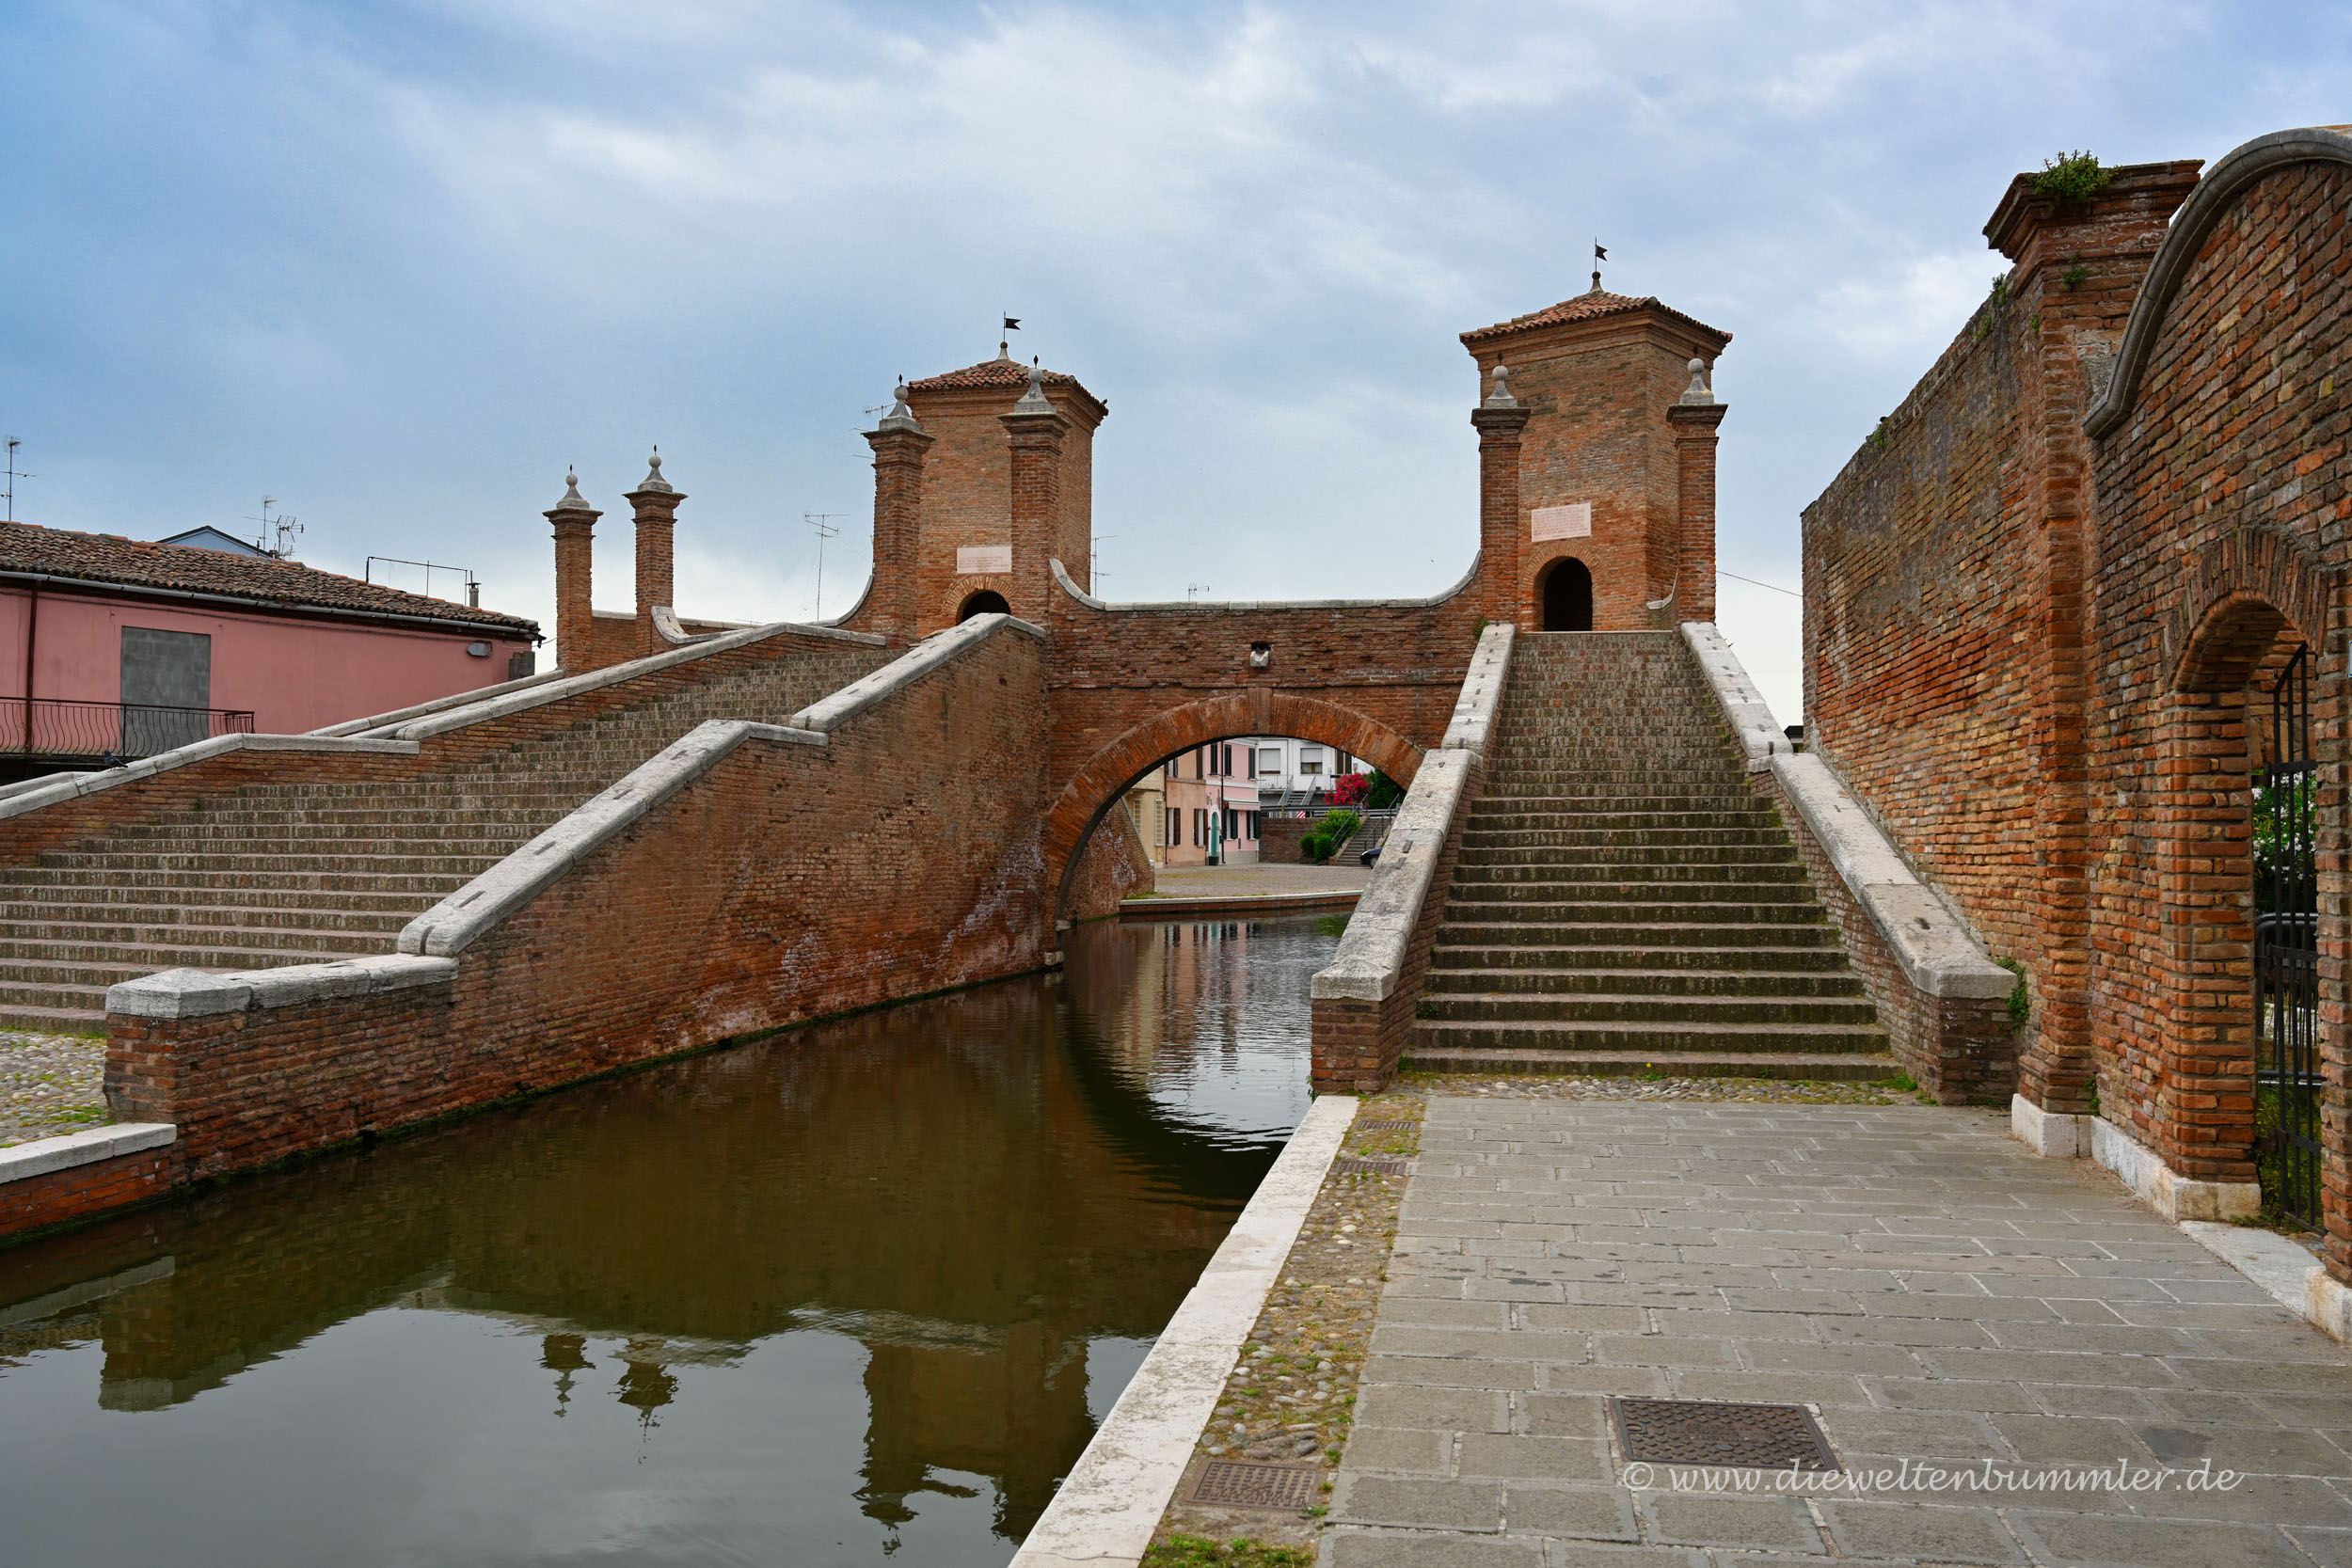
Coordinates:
261 859
1622 902
789 882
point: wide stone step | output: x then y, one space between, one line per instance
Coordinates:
453 832
175 886
196 947
1642 980
1496 841
126 861
1803 929
184 903
1704 1012
1854 1068
20 978
1666 868
1653 1037
1518 817
1631 904
1502 803
17 1015
1766 954
166 926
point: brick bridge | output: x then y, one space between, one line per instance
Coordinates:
294 940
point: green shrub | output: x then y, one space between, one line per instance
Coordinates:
1386 792
2019 1003
1315 849
2072 177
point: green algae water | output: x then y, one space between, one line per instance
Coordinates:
855 1294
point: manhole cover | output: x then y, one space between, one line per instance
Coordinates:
1712 1432
1248 1484
1385 1126
1371 1167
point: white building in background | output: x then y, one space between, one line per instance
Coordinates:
1282 763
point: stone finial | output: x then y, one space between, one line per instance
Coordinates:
1698 390
1501 397
573 500
900 416
653 475
1034 400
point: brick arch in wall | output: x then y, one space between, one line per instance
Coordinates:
1107 776
2247 588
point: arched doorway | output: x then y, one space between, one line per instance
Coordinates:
1567 595
986 602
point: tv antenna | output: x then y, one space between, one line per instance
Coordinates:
1192 588
1094 555
14 474
283 525
820 524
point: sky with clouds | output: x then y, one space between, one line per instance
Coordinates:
397 263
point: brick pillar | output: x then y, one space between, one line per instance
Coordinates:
2078 268
656 502
1501 420
1694 418
899 444
1034 431
575 523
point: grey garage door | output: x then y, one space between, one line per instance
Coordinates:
167 686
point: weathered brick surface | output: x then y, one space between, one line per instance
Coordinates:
786 884
1278 836
1356 1043
1958 1049
2044 658
1114 866
62 1197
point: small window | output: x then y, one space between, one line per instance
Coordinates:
1175 827
1270 761
1310 762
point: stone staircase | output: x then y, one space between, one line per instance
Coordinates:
1621 903
269 875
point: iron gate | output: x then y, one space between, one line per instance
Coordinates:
2286 955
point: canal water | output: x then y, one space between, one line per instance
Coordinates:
855 1294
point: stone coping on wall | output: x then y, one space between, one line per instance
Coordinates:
67 786
42 1156
201 992
1104 1513
1374 954
829 713
1474 710
1935 952
1165 607
1753 725
571 685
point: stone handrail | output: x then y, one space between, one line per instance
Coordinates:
1935 952
1376 958
1758 733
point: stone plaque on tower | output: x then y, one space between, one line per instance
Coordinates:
1563 522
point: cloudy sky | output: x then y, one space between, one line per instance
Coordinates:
397 264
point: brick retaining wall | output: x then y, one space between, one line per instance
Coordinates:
784 884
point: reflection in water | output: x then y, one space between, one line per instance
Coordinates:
860 1290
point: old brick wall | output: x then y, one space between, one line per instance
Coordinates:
1915 619
63 1196
2223 499
1114 866
788 883
1278 836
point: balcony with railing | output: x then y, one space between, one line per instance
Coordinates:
60 728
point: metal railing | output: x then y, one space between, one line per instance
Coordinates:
56 726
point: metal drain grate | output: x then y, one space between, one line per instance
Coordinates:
1387 1126
1249 1483
1352 1166
1713 1431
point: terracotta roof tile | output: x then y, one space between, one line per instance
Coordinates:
134 564
1585 307
987 372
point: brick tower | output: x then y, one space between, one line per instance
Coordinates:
1598 446
986 476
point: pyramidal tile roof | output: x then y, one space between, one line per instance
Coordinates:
191 568
987 372
1586 307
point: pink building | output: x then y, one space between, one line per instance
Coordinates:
113 647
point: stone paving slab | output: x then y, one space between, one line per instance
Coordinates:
2035 1362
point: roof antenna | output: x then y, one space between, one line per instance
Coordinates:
14 474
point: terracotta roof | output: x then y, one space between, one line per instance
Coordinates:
189 568
1586 308
987 372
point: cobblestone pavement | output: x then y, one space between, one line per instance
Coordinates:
50 1083
1256 882
2013 1360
